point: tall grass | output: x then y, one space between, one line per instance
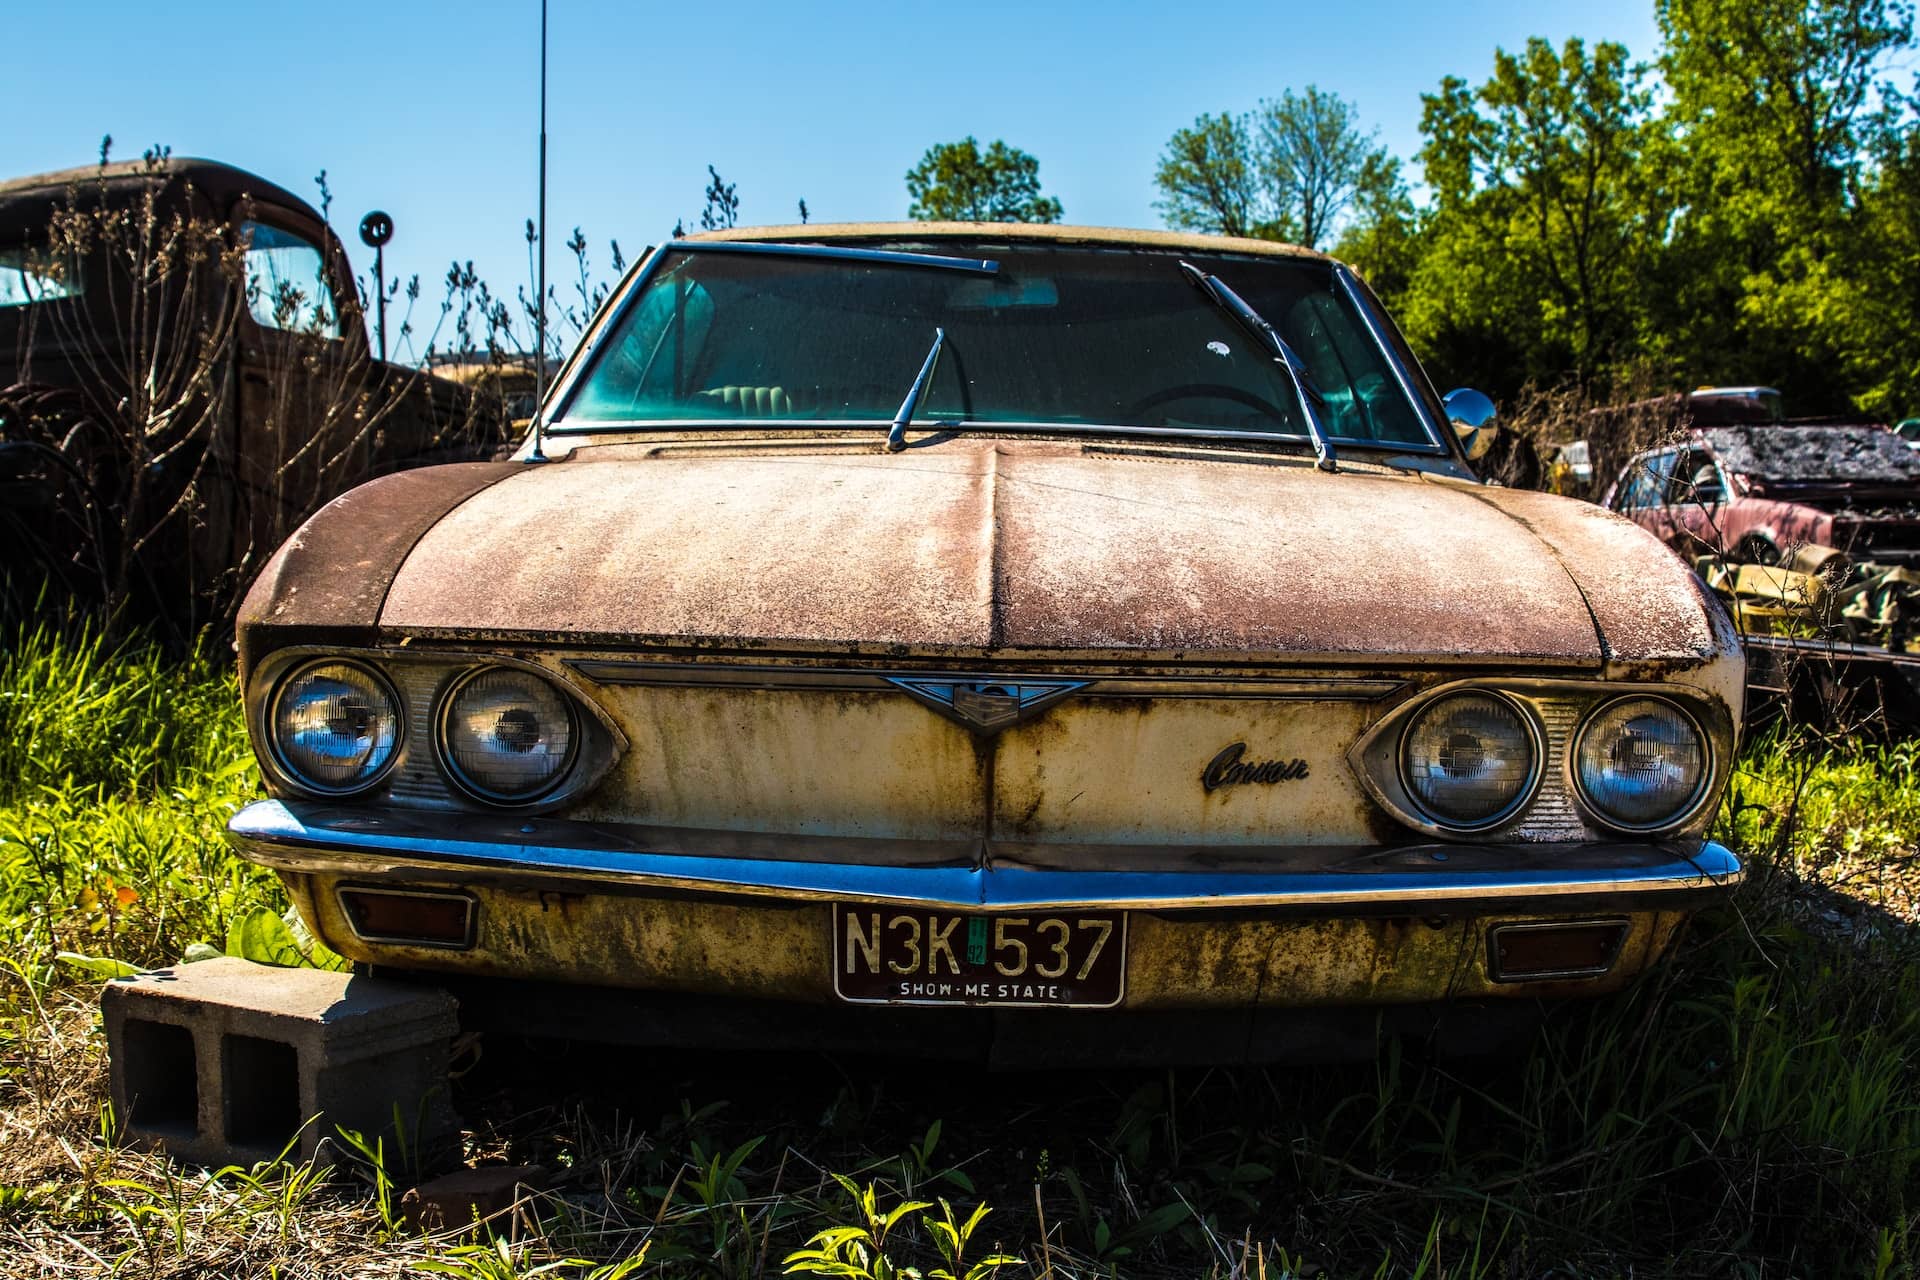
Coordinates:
1750 1109
118 770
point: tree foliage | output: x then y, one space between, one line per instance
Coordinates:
1311 154
1745 208
1207 177
1285 171
958 182
1544 213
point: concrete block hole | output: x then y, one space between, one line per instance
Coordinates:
163 1079
262 1091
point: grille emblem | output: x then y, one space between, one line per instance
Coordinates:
987 706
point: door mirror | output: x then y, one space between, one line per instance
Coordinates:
1472 415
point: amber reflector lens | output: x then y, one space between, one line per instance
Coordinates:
1530 953
413 919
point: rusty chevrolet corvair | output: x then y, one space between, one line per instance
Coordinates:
1015 623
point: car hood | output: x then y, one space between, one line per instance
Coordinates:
972 546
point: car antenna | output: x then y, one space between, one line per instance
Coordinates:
540 312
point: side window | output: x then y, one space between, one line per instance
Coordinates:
1694 479
1647 480
287 282
657 356
25 280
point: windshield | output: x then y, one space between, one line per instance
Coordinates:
1063 338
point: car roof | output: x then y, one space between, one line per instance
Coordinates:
1037 233
217 180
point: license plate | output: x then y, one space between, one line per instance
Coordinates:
1056 959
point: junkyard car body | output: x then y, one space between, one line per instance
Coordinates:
1811 532
269 400
1048 709
1756 492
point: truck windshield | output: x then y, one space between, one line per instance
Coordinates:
1072 339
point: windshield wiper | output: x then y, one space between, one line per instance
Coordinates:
897 434
1256 324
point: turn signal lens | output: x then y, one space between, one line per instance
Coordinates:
1641 763
1469 760
507 735
334 726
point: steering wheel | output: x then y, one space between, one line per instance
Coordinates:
1207 391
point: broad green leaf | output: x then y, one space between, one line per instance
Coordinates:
100 966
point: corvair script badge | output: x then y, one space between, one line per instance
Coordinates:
1230 768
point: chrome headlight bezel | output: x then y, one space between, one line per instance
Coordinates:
1554 811
477 790
1687 812
284 771
416 779
1536 764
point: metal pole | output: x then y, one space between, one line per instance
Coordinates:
375 230
540 305
380 287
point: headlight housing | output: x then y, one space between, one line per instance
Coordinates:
506 735
1640 764
1470 760
335 726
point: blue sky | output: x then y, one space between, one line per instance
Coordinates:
428 111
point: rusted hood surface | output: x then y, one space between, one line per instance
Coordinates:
971 545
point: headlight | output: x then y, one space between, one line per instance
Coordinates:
507 735
335 726
1469 760
1640 763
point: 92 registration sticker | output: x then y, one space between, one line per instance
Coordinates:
1049 959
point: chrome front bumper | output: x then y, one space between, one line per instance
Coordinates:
532 853
741 915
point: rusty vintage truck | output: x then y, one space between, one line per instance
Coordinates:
1025 643
185 375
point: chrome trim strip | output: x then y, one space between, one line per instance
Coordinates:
714 675
1359 303
323 839
842 253
610 426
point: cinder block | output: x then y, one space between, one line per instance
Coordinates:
223 1061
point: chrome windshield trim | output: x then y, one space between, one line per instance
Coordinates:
609 426
729 675
406 847
846 253
1401 374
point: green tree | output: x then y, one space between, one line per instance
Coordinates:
1311 156
1788 160
1207 177
957 182
1286 171
1383 239
1544 217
